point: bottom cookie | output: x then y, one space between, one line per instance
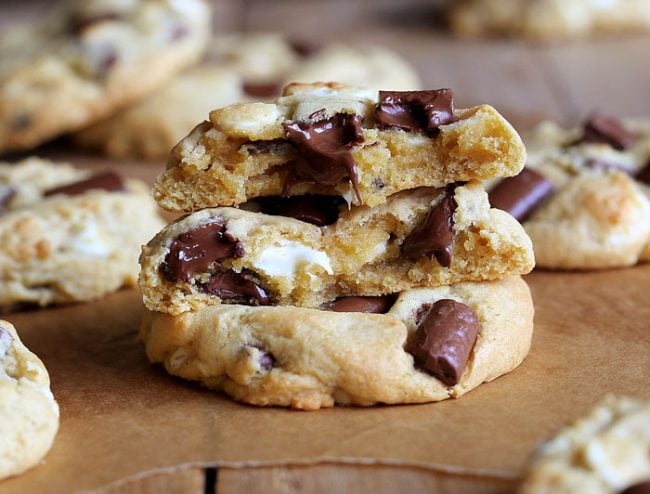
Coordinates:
308 358
606 452
29 416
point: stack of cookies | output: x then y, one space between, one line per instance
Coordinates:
339 248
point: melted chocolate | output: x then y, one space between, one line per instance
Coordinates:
109 181
435 235
325 147
521 194
197 250
640 488
608 130
234 287
261 147
415 111
315 209
444 340
374 305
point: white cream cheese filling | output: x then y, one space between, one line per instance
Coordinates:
284 258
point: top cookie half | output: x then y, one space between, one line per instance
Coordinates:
328 138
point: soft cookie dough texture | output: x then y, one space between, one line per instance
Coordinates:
549 20
58 248
605 452
308 358
297 263
237 68
29 416
91 59
240 152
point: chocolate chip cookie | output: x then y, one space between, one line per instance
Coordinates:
605 452
91 59
310 250
549 20
337 140
29 416
67 235
422 345
584 196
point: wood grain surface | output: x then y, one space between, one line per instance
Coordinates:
525 82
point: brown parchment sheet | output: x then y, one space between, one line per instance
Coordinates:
122 417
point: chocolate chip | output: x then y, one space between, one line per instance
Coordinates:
415 111
640 488
5 341
315 209
273 146
325 147
606 129
304 48
262 89
420 312
435 235
374 305
21 122
196 250
444 340
521 194
109 181
644 174
239 288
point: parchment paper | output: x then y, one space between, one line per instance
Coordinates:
122 417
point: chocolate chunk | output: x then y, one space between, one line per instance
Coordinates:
315 209
237 288
415 111
261 147
262 89
435 235
644 174
5 341
196 250
444 340
640 488
608 130
304 48
521 194
374 305
109 181
325 147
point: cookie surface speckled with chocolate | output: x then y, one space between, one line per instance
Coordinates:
336 140
584 197
80 66
604 452
29 415
309 359
68 235
320 251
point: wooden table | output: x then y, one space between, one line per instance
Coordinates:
526 83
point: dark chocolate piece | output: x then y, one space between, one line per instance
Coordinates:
261 147
109 181
262 89
304 48
521 194
196 250
639 488
374 305
415 111
444 340
608 130
644 174
325 147
238 288
315 209
435 235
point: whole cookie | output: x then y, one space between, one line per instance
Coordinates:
549 20
80 65
337 140
29 416
67 235
584 196
238 68
315 249
605 452
308 358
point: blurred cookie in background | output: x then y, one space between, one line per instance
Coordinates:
88 60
